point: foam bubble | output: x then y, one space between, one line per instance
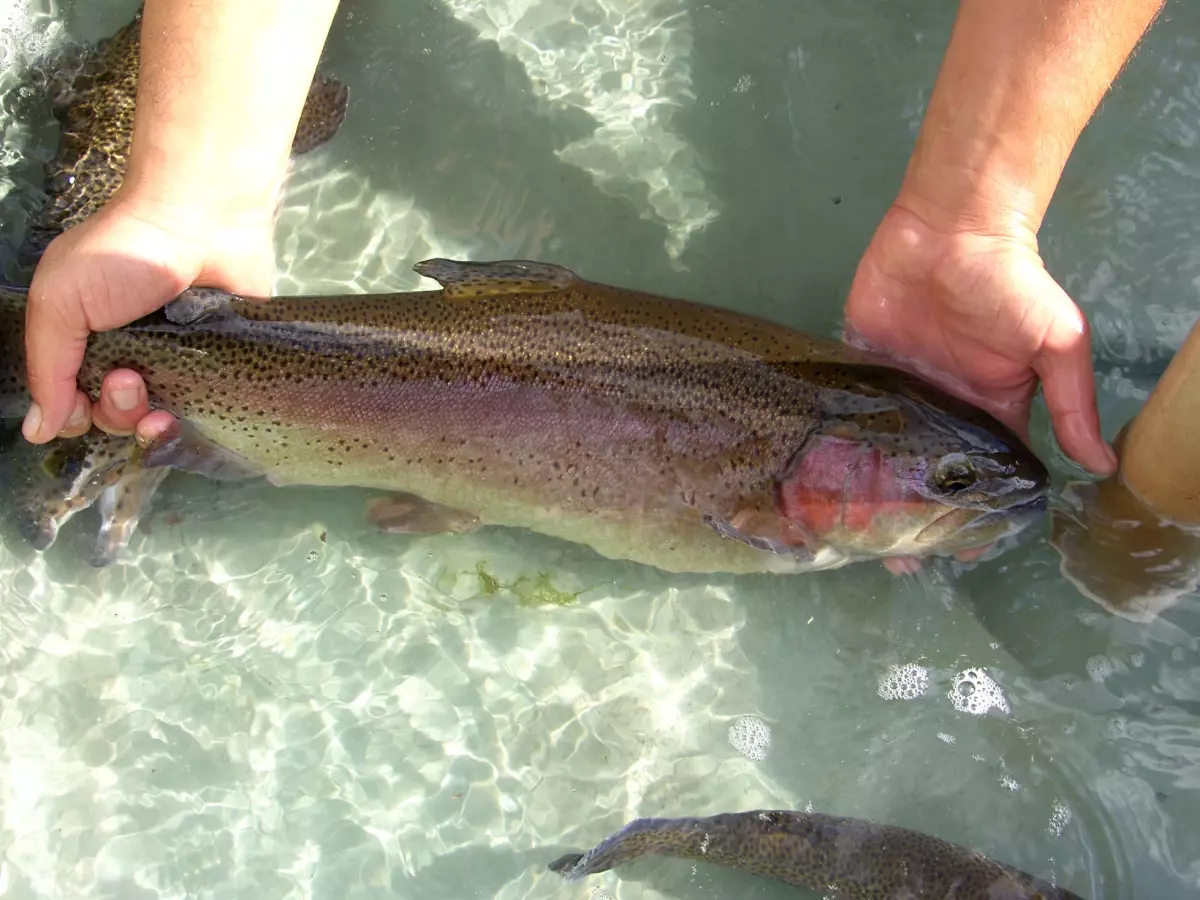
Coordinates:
1060 817
1100 667
903 682
974 692
946 738
750 736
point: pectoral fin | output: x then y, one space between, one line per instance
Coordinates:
762 530
462 280
410 514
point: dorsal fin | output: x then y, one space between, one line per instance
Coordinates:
512 276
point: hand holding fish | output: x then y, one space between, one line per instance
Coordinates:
981 316
184 193
122 263
952 282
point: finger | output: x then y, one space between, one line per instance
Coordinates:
155 427
902 565
1069 386
973 553
55 338
80 420
123 402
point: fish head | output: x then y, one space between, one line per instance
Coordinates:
896 467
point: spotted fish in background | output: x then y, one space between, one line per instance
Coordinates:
682 436
92 91
852 859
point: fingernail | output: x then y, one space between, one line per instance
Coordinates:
78 415
125 399
32 423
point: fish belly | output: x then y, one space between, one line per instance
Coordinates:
591 470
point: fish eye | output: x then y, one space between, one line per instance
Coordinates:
954 473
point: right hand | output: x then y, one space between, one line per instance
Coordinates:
974 310
125 261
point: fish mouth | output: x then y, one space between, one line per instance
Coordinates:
989 526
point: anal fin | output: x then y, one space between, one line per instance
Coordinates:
186 449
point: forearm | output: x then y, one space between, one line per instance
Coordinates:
1019 82
220 89
1159 459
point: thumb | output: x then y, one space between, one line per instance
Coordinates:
248 271
1064 365
55 339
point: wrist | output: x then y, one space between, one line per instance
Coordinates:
201 187
986 198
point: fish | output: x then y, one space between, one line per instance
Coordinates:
678 435
852 859
92 92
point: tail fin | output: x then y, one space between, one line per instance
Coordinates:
14 391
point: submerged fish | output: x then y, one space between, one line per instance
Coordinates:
852 858
686 437
92 91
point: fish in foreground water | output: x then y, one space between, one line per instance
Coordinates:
852 858
682 436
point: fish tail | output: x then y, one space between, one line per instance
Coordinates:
14 390
323 113
121 508
671 837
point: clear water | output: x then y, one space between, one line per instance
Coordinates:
267 699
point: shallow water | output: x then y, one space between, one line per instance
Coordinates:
267 699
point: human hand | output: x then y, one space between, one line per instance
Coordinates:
1120 552
127 260
976 312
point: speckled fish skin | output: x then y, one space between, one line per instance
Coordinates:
854 859
682 436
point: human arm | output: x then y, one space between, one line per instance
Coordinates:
952 282
220 90
1132 541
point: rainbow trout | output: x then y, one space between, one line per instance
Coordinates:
852 858
682 436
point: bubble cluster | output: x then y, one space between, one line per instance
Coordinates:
750 736
1100 667
1059 818
903 682
946 738
974 692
